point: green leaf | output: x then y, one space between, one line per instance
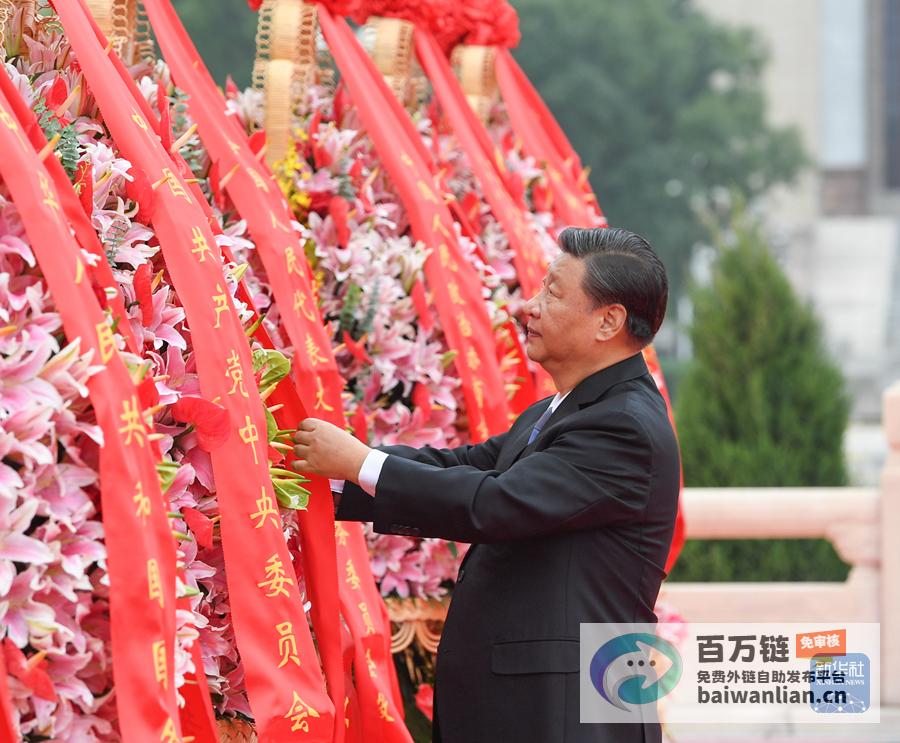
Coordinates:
453 549
291 494
273 364
167 472
287 474
271 426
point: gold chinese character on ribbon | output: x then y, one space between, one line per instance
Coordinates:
437 224
139 120
406 160
220 304
300 300
154 583
320 396
235 372
367 618
201 246
277 223
298 714
49 197
265 509
455 297
352 578
175 185
142 503
340 534
250 435
426 191
258 180
290 258
276 578
370 664
287 644
447 261
10 123
169 733
465 327
159 662
105 341
481 430
472 360
133 429
382 703
478 389
313 352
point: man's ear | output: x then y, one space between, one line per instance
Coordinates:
611 321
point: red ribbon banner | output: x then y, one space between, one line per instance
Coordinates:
529 262
139 543
259 201
570 201
283 678
454 284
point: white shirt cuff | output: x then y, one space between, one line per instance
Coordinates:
337 486
371 470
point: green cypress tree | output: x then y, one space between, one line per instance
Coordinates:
761 405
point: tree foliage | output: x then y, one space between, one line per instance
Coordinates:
664 104
761 405
224 33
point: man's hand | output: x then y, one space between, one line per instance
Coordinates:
324 449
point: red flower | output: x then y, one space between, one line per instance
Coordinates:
143 292
425 700
339 210
30 671
140 190
200 524
491 23
210 421
356 348
421 398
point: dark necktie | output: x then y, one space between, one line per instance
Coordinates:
540 424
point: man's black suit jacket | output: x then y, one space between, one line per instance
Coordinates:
573 528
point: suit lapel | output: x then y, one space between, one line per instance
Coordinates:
569 405
587 391
516 444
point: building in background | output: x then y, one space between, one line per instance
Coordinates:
834 73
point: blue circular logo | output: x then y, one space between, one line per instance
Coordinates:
631 669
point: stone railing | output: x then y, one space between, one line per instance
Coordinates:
863 525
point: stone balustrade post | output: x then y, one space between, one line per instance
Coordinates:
890 551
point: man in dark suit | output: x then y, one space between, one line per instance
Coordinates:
571 512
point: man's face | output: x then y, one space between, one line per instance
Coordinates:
561 318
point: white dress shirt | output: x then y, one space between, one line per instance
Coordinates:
374 461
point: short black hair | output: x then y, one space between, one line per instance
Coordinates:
621 268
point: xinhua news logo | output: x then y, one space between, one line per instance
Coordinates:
635 669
